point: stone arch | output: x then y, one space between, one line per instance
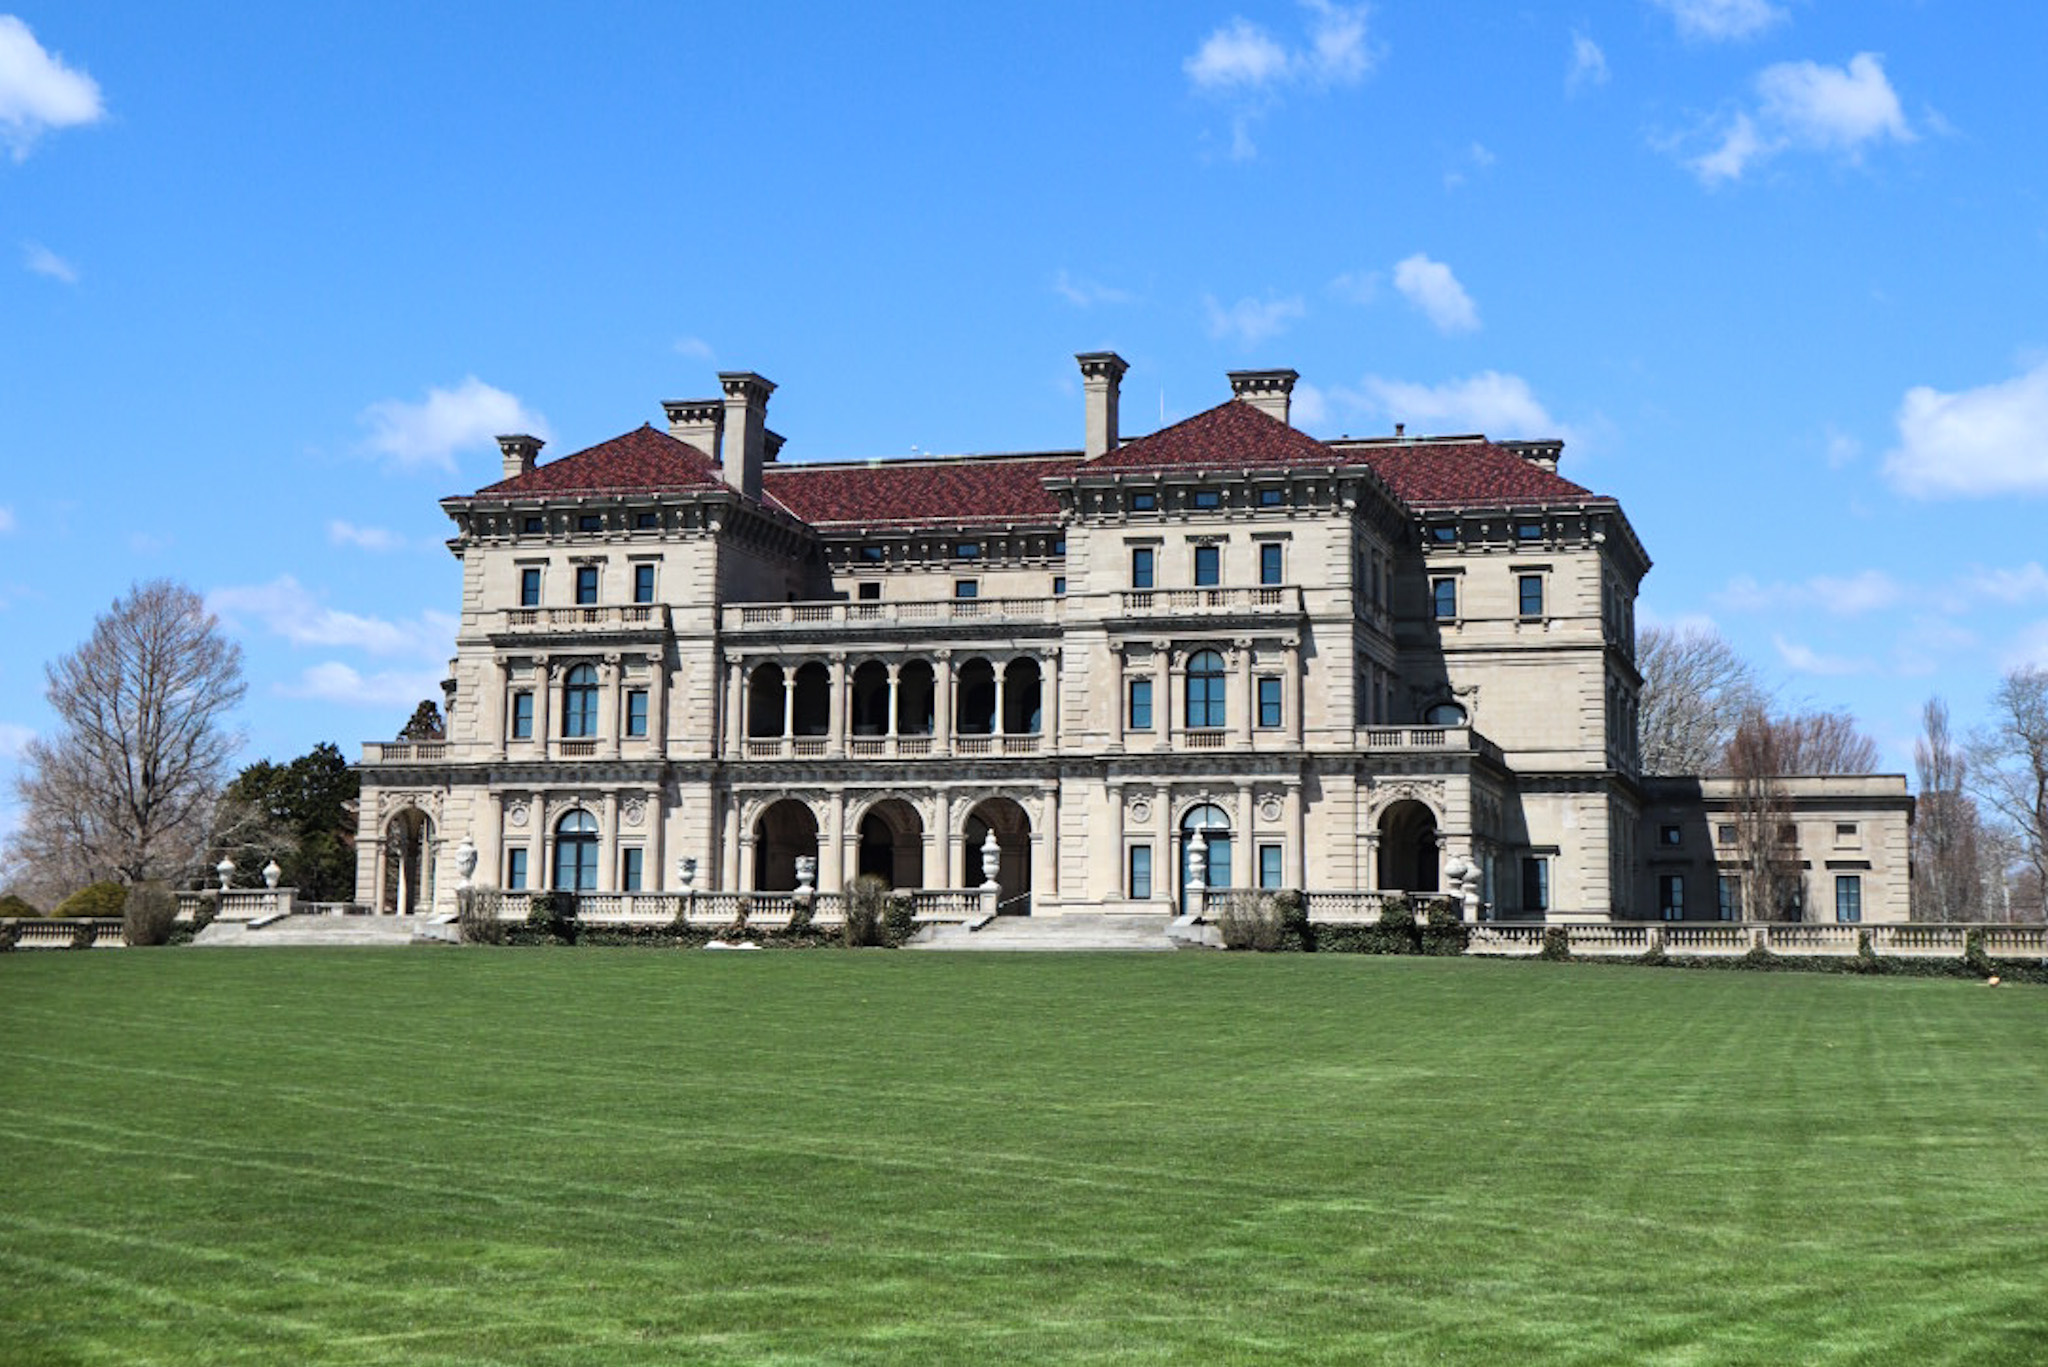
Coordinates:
891 842
573 853
976 713
1022 696
1218 839
406 881
1410 852
765 688
1006 817
784 831
868 714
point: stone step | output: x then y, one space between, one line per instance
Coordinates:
1027 934
313 930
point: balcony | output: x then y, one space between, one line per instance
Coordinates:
633 618
840 615
1399 739
1268 600
893 747
405 752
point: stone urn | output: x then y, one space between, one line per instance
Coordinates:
686 873
226 870
271 873
806 876
465 862
991 860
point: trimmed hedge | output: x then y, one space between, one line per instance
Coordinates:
95 899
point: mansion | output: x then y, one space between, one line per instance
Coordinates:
1351 666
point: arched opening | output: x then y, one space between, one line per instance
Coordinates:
871 699
1021 698
576 852
892 843
765 700
1214 824
1206 692
1013 860
579 703
916 692
977 711
408 876
813 700
1408 848
1444 714
784 832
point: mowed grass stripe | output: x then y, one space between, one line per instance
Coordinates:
620 1156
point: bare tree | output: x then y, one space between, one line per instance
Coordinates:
1696 690
1947 877
2009 774
1764 752
125 789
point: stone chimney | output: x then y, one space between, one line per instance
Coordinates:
1541 454
1269 391
520 452
697 422
742 444
1102 372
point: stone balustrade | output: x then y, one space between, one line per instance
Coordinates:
1260 600
767 910
618 617
841 615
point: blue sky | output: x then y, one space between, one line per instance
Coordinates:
271 277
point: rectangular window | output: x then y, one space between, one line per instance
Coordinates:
1208 566
1849 897
871 555
1443 596
1272 498
1724 835
1528 531
1141 567
1059 586
636 712
1208 498
533 525
869 592
515 869
522 716
586 584
1845 832
1141 873
529 587
1269 866
1059 546
1269 563
967 550
632 864
1535 883
1141 705
590 522
1144 501
646 522
1670 836
1269 701
643 583
967 588
1671 896
1530 587
1443 534
1728 897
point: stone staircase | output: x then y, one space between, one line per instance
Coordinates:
318 930
1074 931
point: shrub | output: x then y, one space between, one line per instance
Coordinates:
1973 953
1297 932
10 936
148 915
866 901
11 905
1395 932
1557 945
476 917
800 918
83 935
95 899
899 919
1246 920
1446 932
207 912
553 914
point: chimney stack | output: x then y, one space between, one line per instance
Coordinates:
519 452
696 421
1102 372
1541 454
1269 391
742 444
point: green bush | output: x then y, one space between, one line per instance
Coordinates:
476 918
1974 955
95 899
1557 945
554 915
899 919
84 934
801 916
1446 932
10 936
866 902
1395 932
149 914
11 905
1245 920
208 911
1297 932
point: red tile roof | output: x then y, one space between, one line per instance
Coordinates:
958 489
1230 435
1426 474
643 459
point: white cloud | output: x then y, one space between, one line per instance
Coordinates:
696 348
1431 287
431 431
1807 660
1589 65
42 261
38 91
1311 407
6 519
1251 321
1082 293
13 739
335 682
2022 585
342 533
1359 287
1974 443
1245 64
1238 56
1718 21
1837 595
1810 106
1339 51
1842 449
287 609
1499 405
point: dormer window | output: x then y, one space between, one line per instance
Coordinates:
646 522
1443 534
1208 498
590 522
533 526
871 554
1528 531
1272 498
967 550
1144 501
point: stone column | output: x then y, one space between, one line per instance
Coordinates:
1045 850
836 726
490 843
942 825
1163 702
1049 698
1295 695
541 868
653 879
726 814
832 843
788 702
1297 838
503 671
942 704
735 705
611 724
1165 853
996 726
1248 705
608 844
1119 662
1246 872
543 703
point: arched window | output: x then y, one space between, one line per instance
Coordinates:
1444 714
1205 689
576 853
1214 825
579 702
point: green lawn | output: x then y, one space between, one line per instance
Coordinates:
630 1156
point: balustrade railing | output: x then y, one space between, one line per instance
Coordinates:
404 752
744 617
585 617
1180 602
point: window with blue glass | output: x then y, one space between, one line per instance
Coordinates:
1141 705
636 712
1206 696
967 550
1208 498
1141 873
522 716
871 554
529 587
632 867
1272 498
515 869
1215 828
1849 897
1728 897
1671 896
646 522
1269 701
1535 883
1269 866
532 524
1208 566
1142 561
576 853
1144 501
586 584
1530 592
643 583
1059 586
1443 598
590 522
1270 566
966 588
579 703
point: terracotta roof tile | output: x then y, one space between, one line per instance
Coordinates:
959 489
1230 435
641 460
1436 474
